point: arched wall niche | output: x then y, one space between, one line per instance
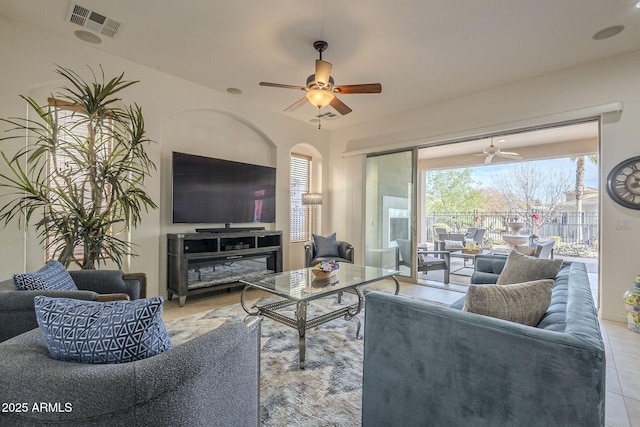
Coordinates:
210 133
217 133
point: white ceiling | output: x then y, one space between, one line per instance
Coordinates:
421 51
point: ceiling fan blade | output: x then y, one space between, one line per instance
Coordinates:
323 72
282 86
479 154
488 159
297 105
509 153
340 106
363 88
513 156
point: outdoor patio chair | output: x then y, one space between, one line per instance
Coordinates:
427 260
437 231
456 241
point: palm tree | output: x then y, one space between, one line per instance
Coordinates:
579 189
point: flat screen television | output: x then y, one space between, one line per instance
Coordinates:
216 191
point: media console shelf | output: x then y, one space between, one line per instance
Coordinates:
201 262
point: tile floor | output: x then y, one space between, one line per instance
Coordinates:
622 346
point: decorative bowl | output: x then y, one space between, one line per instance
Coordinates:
321 274
325 269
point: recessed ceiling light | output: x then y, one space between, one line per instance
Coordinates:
608 32
88 37
234 90
638 5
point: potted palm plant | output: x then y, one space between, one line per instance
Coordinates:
79 179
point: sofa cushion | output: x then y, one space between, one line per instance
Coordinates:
326 246
52 277
102 332
524 303
522 268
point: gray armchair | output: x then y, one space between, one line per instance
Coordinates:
211 380
17 314
345 249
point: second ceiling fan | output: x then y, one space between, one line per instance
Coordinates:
320 88
492 151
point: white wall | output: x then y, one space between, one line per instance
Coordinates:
179 116
540 100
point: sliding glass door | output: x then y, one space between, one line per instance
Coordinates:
390 211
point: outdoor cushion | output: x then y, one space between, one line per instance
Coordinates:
453 244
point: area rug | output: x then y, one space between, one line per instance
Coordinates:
328 392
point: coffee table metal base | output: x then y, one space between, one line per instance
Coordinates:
300 322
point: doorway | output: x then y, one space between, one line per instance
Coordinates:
390 211
474 175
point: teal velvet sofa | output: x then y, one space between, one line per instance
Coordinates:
426 364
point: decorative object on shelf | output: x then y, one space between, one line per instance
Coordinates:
623 183
325 269
83 208
632 305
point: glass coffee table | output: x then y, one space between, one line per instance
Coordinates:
301 286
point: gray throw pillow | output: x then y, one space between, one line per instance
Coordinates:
524 303
522 268
326 246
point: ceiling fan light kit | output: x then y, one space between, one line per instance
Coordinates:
321 89
320 97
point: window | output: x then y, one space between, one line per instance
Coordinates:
74 126
299 218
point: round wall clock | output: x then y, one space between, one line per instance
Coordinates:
623 183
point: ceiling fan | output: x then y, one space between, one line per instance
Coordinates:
320 88
492 151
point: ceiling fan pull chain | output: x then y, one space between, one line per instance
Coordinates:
319 115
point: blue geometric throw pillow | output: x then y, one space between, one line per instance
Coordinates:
326 246
52 277
102 332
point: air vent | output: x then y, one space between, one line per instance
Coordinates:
93 21
324 116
